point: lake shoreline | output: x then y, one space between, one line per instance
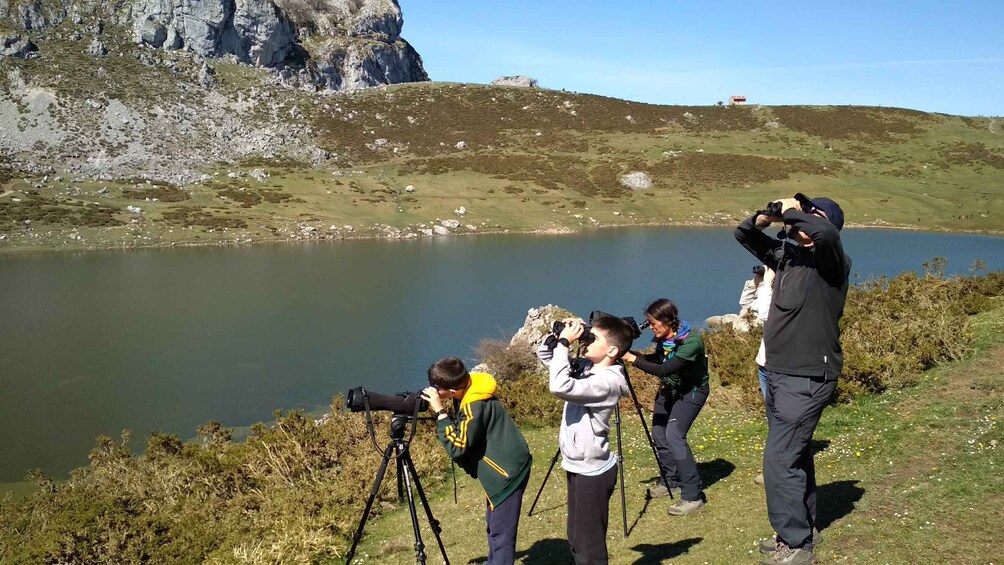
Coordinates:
374 235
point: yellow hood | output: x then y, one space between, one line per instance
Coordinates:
482 388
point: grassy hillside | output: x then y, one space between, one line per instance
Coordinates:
530 159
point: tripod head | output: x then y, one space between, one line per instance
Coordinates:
398 425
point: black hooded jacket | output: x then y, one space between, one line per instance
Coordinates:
802 332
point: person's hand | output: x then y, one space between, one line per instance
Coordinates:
431 395
788 204
629 357
573 330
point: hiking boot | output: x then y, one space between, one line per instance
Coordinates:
785 555
660 490
769 545
758 479
684 507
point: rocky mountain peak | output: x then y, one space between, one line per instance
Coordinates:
333 44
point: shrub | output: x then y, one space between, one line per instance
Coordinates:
505 362
529 401
732 358
292 492
891 331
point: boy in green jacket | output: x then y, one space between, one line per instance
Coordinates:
486 443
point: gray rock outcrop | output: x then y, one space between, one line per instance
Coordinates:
517 80
16 46
254 31
330 44
96 48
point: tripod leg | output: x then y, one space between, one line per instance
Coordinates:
433 522
554 460
620 463
648 435
419 546
400 482
387 454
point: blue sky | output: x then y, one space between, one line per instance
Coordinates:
925 55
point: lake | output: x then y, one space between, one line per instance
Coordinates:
168 339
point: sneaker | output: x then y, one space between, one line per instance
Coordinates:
660 490
758 479
769 545
684 507
785 555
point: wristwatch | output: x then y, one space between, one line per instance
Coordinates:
564 342
437 413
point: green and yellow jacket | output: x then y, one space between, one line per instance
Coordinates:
485 441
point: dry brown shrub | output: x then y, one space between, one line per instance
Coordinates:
506 362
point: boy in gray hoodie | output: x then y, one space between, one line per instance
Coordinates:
585 428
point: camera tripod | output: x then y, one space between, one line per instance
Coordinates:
620 452
398 448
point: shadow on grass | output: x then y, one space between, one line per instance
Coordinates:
710 471
542 552
836 500
818 445
713 471
663 552
640 514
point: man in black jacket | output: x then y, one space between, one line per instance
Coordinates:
804 359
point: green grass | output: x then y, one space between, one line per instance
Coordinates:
912 476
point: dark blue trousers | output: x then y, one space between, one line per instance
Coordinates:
794 405
502 522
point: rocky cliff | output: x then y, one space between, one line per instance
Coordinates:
162 89
333 44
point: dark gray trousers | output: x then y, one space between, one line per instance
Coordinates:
672 417
794 405
588 515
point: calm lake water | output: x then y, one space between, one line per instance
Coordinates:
168 339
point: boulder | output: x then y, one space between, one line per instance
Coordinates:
636 181
450 224
96 48
461 145
440 230
735 320
207 76
517 80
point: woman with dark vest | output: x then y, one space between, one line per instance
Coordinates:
681 365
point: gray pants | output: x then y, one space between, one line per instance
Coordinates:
794 405
672 417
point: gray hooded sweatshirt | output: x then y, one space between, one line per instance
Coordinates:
589 402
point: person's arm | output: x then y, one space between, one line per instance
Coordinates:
763 294
544 353
457 437
579 391
747 297
829 250
667 372
750 235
